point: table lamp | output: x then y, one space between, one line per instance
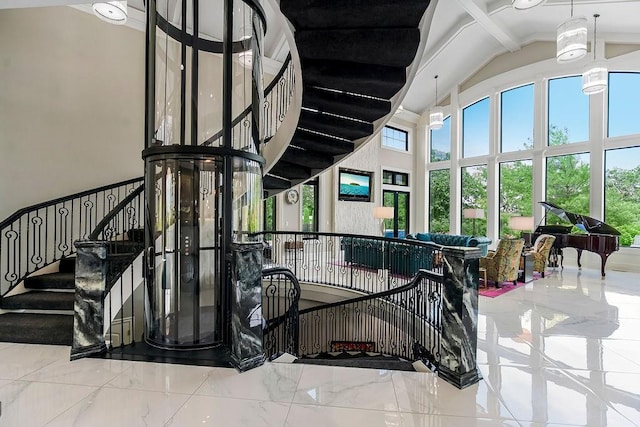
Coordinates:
382 213
522 223
473 214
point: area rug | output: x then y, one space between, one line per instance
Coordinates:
492 292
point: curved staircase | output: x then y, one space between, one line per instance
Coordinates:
354 57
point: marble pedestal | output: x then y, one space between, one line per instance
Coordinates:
246 306
459 337
88 317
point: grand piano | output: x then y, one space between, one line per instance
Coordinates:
601 238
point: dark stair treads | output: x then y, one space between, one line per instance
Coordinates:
344 104
124 247
271 182
372 80
290 171
321 143
31 328
310 159
353 13
369 46
334 126
67 265
360 361
51 281
39 300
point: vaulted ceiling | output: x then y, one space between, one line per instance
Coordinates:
464 36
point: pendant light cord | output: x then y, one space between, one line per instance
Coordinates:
595 33
436 103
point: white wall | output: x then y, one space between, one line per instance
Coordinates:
71 104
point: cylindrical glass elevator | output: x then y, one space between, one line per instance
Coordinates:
203 170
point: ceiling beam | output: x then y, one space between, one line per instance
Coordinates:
480 14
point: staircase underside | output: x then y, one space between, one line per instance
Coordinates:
354 57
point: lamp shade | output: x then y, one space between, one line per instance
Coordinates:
113 12
525 4
571 40
473 213
594 78
383 212
522 223
436 118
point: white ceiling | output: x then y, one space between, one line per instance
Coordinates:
464 35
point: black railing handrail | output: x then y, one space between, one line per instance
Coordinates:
415 281
62 199
272 271
114 212
247 110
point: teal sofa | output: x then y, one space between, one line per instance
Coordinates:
454 240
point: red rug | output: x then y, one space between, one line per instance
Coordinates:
492 292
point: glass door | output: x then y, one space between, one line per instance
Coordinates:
398 226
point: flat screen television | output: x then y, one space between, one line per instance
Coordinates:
354 185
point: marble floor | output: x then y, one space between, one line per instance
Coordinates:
563 350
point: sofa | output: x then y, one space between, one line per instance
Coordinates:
404 258
454 240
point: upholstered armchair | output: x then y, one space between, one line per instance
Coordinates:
540 251
502 264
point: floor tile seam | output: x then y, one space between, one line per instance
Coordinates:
72 405
498 395
476 417
623 355
244 398
44 381
346 407
178 409
110 386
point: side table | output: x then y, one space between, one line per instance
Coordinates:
525 273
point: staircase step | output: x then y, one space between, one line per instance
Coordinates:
125 247
39 300
67 265
290 171
55 329
271 182
353 13
379 81
51 281
334 126
310 159
360 361
344 104
136 235
321 143
394 47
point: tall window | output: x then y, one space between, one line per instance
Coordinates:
516 119
568 111
395 138
516 193
395 178
475 129
441 142
439 196
474 196
269 214
310 206
622 192
398 226
624 103
568 184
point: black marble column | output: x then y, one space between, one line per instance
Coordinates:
88 318
246 306
460 316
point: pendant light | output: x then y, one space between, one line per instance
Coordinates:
436 116
572 39
525 4
113 12
594 77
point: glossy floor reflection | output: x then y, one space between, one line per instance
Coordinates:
564 350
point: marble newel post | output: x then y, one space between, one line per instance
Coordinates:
459 337
246 306
88 317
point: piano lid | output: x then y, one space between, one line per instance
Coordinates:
583 222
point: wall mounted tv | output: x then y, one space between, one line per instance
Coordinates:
354 185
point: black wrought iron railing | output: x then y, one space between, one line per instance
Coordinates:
280 304
277 98
405 322
367 264
42 234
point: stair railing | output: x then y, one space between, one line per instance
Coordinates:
42 234
280 301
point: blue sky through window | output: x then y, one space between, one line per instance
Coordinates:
517 118
569 108
475 129
441 141
624 104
